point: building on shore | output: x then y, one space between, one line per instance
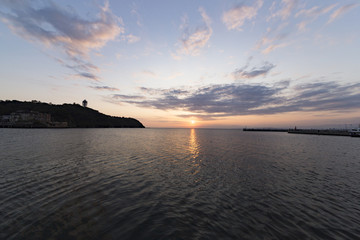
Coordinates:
23 118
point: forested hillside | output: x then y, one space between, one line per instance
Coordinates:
74 114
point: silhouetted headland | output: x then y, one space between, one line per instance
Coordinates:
37 114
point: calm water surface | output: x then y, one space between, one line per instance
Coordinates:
177 184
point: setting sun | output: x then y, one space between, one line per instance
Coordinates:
193 122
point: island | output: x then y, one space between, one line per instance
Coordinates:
35 114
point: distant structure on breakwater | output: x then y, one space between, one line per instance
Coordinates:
330 132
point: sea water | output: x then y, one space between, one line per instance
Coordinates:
177 184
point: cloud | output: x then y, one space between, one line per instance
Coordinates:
286 10
145 74
236 17
79 64
135 12
193 41
52 25
107 88
273 39
171 91
127 97
174 75
326 96
312 14
272 47
221 100
242 73
83 68
131 38
148 73
340 11
87 75
315 11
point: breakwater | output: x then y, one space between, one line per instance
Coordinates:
329 132
265 130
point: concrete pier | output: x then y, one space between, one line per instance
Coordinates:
332 132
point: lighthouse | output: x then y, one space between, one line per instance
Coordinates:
84 103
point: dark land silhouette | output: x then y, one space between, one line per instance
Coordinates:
38 114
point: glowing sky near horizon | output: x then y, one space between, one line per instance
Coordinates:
187 63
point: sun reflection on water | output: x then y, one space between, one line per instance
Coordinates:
194 149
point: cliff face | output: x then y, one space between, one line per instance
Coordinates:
72 114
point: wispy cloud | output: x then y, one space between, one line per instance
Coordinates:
272 47
127 98
87 75
131 38
222 100
168 92
243 73
236 17
174 76
342 10
145 74
193 41
274 38
284 12
312 14
82 67
102 88
148 73
135 12
53 25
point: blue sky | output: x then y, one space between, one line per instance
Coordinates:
188 63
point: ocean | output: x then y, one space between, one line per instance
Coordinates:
177 184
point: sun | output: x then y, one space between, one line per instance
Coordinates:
193 122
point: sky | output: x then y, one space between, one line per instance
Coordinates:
199 63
